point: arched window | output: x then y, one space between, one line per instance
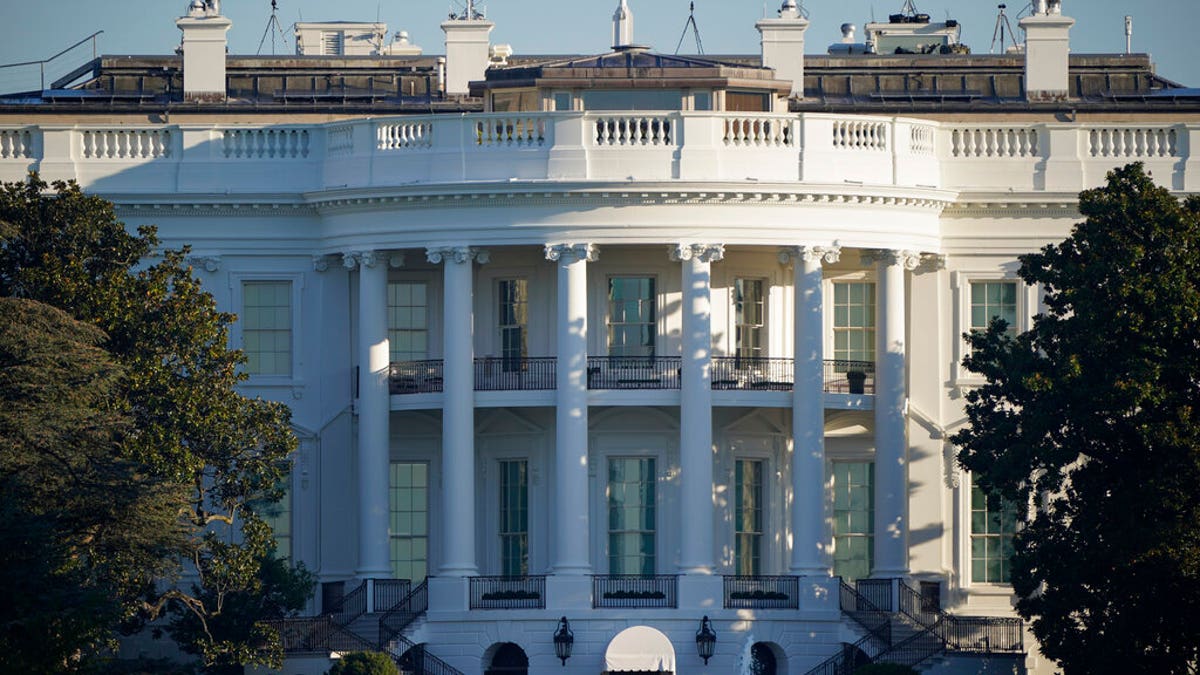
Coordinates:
509 659
762 659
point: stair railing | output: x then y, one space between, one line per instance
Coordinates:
415 659
978 634
350 606
914 649
396 619
865 613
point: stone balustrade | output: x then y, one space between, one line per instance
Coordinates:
815 149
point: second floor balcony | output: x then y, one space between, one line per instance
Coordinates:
728 373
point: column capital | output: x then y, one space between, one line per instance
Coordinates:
705 253
210 263
360 259
907 259
457 254
320 263
588 252
826 255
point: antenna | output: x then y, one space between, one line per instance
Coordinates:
691 21
1128 34
999 34
274 29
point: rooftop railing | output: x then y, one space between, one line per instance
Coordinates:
813 148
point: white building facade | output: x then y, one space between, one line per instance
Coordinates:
631 367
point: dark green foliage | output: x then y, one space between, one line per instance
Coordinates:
364 663
886 669
185 429
1094 415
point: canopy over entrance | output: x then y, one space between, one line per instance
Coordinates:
640 649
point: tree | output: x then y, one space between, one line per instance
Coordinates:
1090 423
188 425
364 663
83 532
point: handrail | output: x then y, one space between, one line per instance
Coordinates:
416 659
42 63
396 619
350 606
983 634
860 606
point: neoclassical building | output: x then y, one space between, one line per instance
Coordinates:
624 362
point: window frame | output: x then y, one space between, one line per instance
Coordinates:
655 322
831 464
237 282
829 290
430 339
960 286
966 582
501 533
655 504
764 328
429 524
764 508
496 286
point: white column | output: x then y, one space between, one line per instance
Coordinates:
458 409
695 408
571 556
374 559
809 537
891 441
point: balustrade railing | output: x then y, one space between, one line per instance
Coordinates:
16 144
635 591
404 134
350 606
922 139
984 634
415 659
752 373
877 592
317 635
403 613
389 593
340 141
125 143
1132 143
416 377
760 132
998 142
762 592
508 592
858 135
268 143
517 373
634 130
520 131
633 372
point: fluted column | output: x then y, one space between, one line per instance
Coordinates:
458 409
891 442
809 538
695 408
374 559
571 556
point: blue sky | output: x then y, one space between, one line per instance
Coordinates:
36 29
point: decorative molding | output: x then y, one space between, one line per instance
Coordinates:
950 465
360 259
207 210
705 253
457 254
396 260
210 263
587 252
909 260
826 255
931 262
320 263
974 209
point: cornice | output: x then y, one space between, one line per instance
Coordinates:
1013 208
209 209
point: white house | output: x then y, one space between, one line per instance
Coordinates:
658 345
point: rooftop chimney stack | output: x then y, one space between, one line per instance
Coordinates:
1047 52
467 49
204 46
622 26
783 45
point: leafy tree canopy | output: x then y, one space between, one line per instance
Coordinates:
185 423
1090 422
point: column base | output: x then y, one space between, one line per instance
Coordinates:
373 573
811 571
458 571
572 570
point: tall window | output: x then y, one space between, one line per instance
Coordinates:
514 517
514 321
993 299
267 327
632 316
279 517
749 317
408 527
631 515
748 517
854 321
993 523
853 519
408 320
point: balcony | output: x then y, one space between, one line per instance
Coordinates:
508 592
626 591
729 373
758 592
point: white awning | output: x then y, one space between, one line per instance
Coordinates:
640 648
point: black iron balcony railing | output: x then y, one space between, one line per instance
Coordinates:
508 592
760 592
515 373
635 591
389 593
632 372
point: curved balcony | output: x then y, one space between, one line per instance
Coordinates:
729 373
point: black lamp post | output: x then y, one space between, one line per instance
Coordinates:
564 640
706 640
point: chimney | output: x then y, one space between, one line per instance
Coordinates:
622 27
783 45
1047 52
204 46
467 49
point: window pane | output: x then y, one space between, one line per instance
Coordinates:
993 523
409 519
631 503
408 323
853 518
854 321
632 326
267 327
